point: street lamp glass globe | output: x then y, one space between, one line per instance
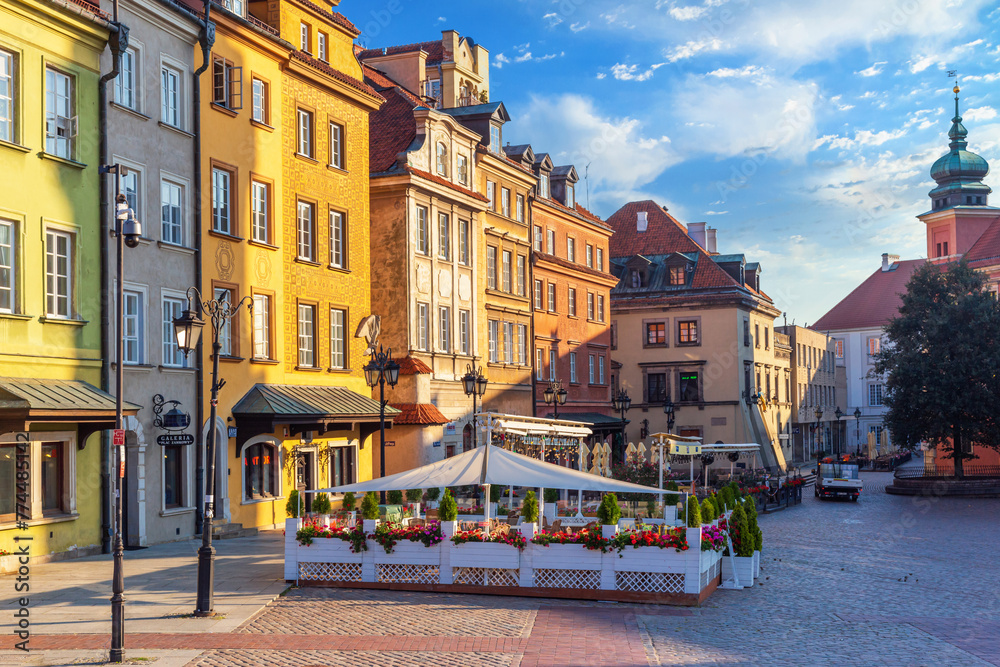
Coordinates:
481 383
561 396
857 413
547 395
392 369
187 330
371 373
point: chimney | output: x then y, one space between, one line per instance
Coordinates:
888 261
696 231
712 248
641 223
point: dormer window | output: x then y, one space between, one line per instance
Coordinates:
637 278
570 201
432 89
442 159
677 275
543 185
463 170
495 144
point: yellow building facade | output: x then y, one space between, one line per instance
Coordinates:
285 223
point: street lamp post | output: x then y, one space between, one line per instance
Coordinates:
857 428
668 410
187 330
819 449
378 371
555 396
474 384
839 414
621 403
127 231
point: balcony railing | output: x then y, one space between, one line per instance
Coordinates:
239 8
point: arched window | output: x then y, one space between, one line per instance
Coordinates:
442 159
467 438
260 466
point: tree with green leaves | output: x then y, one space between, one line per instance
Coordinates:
941 363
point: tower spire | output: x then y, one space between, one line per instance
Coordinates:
957 133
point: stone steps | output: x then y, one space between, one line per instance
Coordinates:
227 531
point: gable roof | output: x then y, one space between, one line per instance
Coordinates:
392 128
872 303
434 50
664 235
419 414
986 250
491 109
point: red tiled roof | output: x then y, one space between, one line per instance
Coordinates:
93 7
872 303
412 366
392 128
336 74
587 214
435 51
986 250
336 17
663 235
420 414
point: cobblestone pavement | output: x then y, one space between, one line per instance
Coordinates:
888 580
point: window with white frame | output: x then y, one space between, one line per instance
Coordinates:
306 235
571 199
338 338
171 213
543 185
432 89
463 331
495 144
571 302
463 242
537 242
173 476
874 345
508 342
423 327
337 145
550 241
305 133
133 329
260 211
262 326
261 100
462 167
505 272
522 344
170 89
538 295
600 259
572 367
131 187
522 276
590 306
600 307
49 460
444 236
519 212
172 308
493 335
222 209
875 394
590 359
8 96
444 332
539 364
552 364
8 278
321 46
600 369
307 336
839 347
304 41
552 298
505 202
226 328
58 274
571 248
338 231
227 84
423 235
590 256
491 195
442 159
127 83
491 267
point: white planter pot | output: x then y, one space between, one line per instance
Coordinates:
756 565
493 510
694 538
607 532
324 519
549 511
744 567
670 514
448 528
416 510
528 530
369 525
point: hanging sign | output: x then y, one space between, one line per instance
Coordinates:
175 439
685 450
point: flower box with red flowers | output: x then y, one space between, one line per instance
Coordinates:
474 549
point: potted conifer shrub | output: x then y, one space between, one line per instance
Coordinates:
693 520
369 512
413 497
529 515
347 504
433 494
496 493
447 514
743 544
670 501
321 506
754 533
551 507
608 514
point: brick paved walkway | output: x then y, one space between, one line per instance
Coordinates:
886 581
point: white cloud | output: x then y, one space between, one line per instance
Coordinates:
861 138
601 75
746 72
574 131
782 117
615 18
624 72
553 19
579 27
692 48
874 69
841 107
499 60
716 212
921 63
441 19
979 113
524 57
985 78
687 13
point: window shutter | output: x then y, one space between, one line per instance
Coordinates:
235 88
219 82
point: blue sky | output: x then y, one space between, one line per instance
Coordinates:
803 131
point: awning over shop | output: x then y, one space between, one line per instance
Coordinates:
304 408
27 401
519 425
596 422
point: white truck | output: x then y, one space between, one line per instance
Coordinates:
838 479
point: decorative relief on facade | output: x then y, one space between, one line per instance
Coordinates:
464 288
262 268
423 279
444 283
225 260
